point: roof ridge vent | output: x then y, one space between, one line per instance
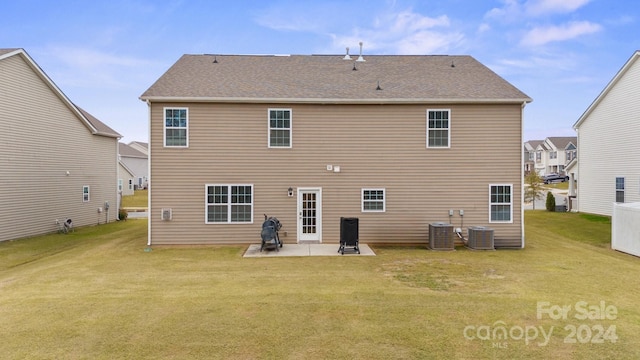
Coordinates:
347 57
360 58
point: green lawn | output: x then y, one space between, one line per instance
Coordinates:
97 294
138 199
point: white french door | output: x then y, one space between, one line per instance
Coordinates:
310 214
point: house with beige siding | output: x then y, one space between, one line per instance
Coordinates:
398 142
608 133
58 161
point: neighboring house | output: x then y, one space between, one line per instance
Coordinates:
57 161
126 178
572 172
560 151
137 163
608 133
549 156
530 153
398 142
140 146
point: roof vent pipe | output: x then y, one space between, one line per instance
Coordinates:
360 58
347 57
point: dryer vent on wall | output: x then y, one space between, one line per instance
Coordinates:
167 214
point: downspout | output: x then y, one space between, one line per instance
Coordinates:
524 103
117 177
149 178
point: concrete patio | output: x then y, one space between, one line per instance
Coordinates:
307 250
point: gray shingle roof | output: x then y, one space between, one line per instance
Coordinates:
329 78
127 151
102 128
561 142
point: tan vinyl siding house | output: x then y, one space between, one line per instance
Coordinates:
348 143
608 134
58 161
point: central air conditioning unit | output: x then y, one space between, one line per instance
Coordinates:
167 214
480 238
441 236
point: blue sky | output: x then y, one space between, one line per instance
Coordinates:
105 54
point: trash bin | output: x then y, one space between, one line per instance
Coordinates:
349 234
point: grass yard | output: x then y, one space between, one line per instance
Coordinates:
97 294
137 200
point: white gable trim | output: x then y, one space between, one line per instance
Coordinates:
608 88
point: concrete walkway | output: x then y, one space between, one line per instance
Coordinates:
307 250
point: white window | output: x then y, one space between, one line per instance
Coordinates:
85 193
280 128
120 184
229 204
176 127
553 155
619 189
500 203
130 184
438 128
373 200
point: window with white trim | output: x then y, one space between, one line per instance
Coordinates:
176 127
619 189
373 200
228 204
438 128
130 184
500 203
120 184
85 193
280 128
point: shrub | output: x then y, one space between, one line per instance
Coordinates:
123 214
551 202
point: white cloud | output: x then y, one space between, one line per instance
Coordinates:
513 10
544 35
539 7
404 32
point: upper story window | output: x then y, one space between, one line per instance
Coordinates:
619 189
85 193
176 127
539 156
373 200
501 203
553 155
438 128
229 204
280 128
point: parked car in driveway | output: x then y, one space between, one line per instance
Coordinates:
551 178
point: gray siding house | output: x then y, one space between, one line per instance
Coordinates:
58 161
397 141
137 164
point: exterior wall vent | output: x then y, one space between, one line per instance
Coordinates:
441 236
480 238
167 214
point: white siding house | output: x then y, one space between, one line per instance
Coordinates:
57 160
608 144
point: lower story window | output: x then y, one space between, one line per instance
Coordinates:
229 204
500 203
85 193
373 200
619 189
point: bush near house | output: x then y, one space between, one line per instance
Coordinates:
551 202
